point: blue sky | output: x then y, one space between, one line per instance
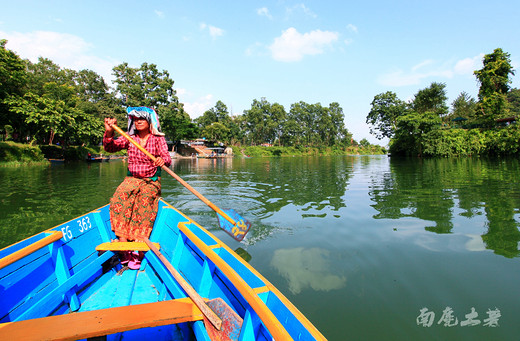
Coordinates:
285 51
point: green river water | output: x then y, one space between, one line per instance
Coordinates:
367 247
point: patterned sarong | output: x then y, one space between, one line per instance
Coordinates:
133 208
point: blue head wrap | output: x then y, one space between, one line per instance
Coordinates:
143 112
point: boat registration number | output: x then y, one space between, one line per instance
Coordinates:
83 225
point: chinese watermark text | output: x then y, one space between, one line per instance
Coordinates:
426 318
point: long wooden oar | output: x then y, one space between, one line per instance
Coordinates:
215 310
229 220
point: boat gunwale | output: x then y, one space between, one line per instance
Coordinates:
239 282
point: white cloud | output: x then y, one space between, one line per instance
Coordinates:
214 32
303 8
292 46
181 91
352 28
255 49
422 64
466 66
159 14
429 69
400 78
66 50
199 106
264 12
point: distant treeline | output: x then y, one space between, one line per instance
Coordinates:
426 126
42 103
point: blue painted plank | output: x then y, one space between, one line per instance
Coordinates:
292 324
103 296
62 274
191 265
88 296
19 287
206 238
125 287
163 273
223 288
200 331
144 290
82 244
43 306
243 271
105 231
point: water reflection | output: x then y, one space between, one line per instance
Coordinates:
444 190
313 183
307 268
263 187
477 198
35 198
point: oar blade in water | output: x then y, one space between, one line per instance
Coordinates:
238 231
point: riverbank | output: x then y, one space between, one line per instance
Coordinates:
13 153
261 151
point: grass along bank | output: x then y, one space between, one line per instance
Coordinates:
12 153
260 151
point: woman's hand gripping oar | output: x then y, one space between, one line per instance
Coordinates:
229 220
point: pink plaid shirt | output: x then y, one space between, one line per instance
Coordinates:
139 164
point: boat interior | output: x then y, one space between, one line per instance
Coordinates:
58 278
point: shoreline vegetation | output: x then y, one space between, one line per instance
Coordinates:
43 104
62 110
17 154
426 127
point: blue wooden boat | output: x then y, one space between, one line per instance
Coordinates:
55 285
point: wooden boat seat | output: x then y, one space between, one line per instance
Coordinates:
125 246
102 322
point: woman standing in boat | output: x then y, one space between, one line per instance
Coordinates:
133 207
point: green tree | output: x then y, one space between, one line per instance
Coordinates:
431 99
513 97
48 116
364 143
338 133
382 118
412 132
43 72
149 87
176 123
263 122
292 131
494 85
216 131
463 106
145 86
302 118
13 80
219 114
